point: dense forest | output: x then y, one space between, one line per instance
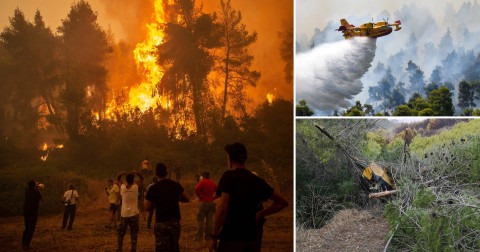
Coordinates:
429 68
70 112
433 162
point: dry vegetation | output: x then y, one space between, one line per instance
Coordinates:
349 230
89 233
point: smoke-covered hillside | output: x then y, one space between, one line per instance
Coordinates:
432 50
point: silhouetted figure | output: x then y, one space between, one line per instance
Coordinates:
240 193
165 195
177 169
152 209
30 212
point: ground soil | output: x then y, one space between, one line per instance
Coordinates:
349 230
89 232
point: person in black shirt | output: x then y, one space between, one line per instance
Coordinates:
165 195
30 212
240 193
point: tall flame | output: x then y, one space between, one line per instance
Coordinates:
145 95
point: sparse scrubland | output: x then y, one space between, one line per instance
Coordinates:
436 169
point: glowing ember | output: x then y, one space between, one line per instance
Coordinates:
44 148
47 149
44 158
270 98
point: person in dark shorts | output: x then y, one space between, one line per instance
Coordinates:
165 195
30 212
241 192
113 193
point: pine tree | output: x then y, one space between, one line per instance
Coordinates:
235 61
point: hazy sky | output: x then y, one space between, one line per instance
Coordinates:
313 13
53 11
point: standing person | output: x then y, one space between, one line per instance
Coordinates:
141 197
240 194
30 212
129 211
70 198
165 195
152 209
177 168
119 183
205 190
146 167
113 193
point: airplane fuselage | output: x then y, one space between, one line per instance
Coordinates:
368 32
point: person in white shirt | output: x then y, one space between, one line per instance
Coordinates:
129 210
70 199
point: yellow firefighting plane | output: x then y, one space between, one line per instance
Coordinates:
371 30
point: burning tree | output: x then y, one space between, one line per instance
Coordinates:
85 75
185 57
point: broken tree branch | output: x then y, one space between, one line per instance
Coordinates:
382 194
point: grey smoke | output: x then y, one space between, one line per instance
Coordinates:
328 76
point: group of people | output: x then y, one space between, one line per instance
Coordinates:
230 215
33 195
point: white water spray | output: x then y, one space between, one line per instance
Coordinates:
328 76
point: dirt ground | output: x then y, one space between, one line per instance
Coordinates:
89 233
349 230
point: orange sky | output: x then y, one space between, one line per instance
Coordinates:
126 18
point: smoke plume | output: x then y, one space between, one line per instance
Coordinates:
328 76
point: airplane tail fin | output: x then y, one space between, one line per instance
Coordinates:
343 25
344 22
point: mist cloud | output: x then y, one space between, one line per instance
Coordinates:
328 76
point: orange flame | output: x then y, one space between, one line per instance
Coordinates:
44 158
45 147
146 96
270 98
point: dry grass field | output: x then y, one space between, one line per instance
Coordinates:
349 230
89 233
